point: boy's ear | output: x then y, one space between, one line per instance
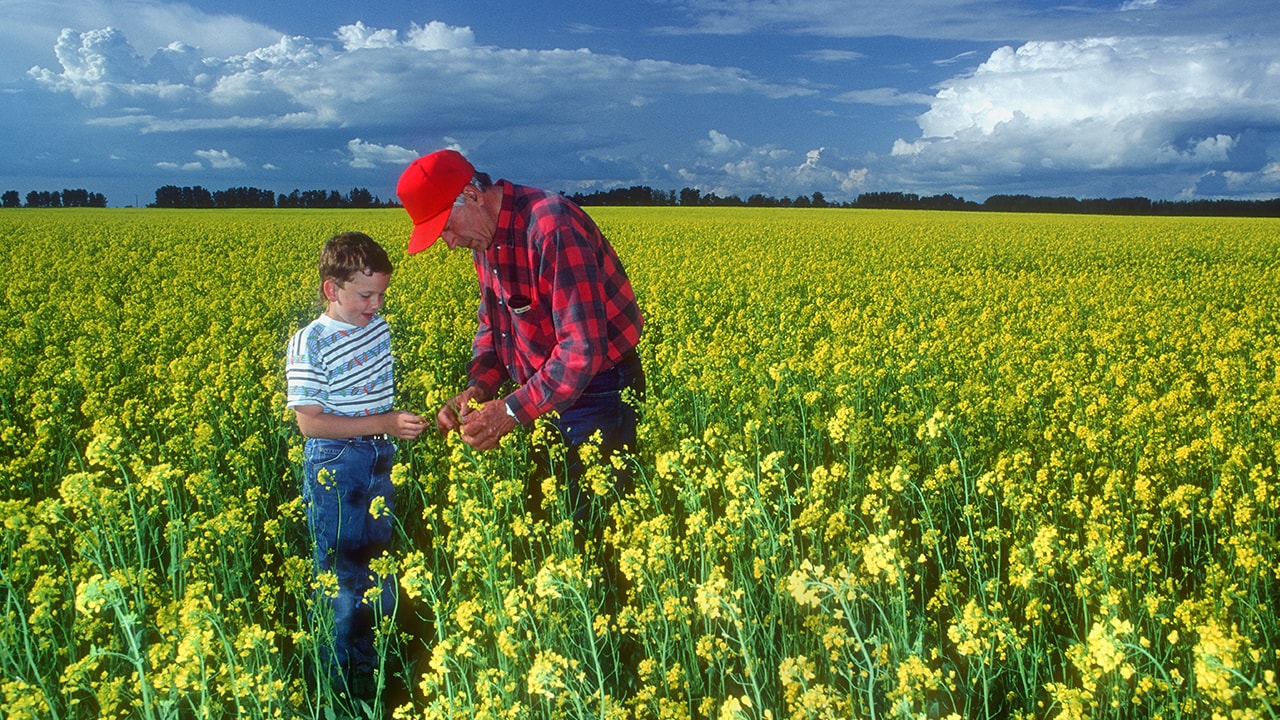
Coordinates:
329 288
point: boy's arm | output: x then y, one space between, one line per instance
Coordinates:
315 423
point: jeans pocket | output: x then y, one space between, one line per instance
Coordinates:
321 452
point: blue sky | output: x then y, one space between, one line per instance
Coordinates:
1168 99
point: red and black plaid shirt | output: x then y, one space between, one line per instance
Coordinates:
556 306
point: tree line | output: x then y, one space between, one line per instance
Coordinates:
172 196
644 195
54 198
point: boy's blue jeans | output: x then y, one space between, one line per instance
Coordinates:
343 478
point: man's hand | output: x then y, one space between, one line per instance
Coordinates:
455 411
483 428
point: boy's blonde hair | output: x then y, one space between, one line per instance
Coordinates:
348 253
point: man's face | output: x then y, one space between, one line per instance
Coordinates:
470 225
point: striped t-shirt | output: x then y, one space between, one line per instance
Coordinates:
345 369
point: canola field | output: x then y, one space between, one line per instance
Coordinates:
892 465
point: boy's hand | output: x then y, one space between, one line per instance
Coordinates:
455 411
406 425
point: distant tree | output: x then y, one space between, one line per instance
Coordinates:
244 197
82 198
634 195
10 199
690 196
729 201
360 198
171 196
43 199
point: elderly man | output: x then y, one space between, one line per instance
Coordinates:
557 312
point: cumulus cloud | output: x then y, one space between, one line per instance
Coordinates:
220 159
435 35
1100 104
93 64
1266 180
357 36
730 166
370 155
216 159
30 25
717 143
189 166
434 74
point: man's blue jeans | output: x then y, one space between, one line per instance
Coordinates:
602 407
343 478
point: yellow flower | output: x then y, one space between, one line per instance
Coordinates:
1105 648
804 589
734 707
710 595
326 584
546 677
378 509
880 555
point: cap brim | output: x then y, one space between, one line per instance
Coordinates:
427 232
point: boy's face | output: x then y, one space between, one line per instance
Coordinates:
356 302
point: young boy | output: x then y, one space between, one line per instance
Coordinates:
341 386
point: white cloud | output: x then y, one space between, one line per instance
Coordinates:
93 64
1265 181
216 159
884 97
964 56
717 143
29 25
731 166
436 35
1100 103
833 56
436 75
357 36
997 20
220 159
370 155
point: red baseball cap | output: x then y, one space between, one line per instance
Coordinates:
427 190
